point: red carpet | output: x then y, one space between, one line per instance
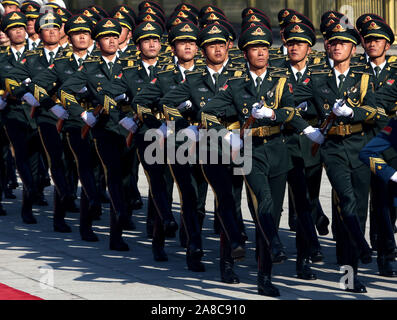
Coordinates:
8 293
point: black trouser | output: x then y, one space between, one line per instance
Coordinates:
265 201
155 174
306 237
81 149
55 156
219 178
70 165
351 186
385 241
109 147
25 142
188 196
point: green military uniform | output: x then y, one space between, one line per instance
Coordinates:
47 83
97 77
349 178
184 175
270 161
199 88
378 29
21 129
306 172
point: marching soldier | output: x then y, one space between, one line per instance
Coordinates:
372 155
20 127
147 38
96 77
78 29
304 179
270 163
183 38
347 93
378 37
31 10
199 87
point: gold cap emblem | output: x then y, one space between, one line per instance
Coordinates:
186 28
258 32
148 27
373 26
79 20
109 24
214 30
297 29
339 28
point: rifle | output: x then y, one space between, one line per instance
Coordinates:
329 121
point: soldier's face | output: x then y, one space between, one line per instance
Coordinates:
4 40
30 27
297 50
80 40
108 45
62 31
185 50
376 47
125 35
17 35
10 8
257 56
50 36
341 50
150 47
216 52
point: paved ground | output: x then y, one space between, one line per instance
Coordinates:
83 270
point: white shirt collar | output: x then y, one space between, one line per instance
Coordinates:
337 74
47 53
124 49
14 51
182 69
65 45
91 48
212 72
76 57
331 62
366 57
285 50
226 62
30 43
107 60
254 76
175 59
146 65
295 71
381 66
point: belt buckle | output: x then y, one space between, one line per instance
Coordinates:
348 129
264 131
341 130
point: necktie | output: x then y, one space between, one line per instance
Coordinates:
151 73
51 57
18 56
258 84
216 78
298 77
377 71
80 61
341 78
110 65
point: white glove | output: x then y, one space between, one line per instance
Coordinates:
30 99
192 133
88 118
314 134
234 140
260 113
3 103
394 177
121 97
60 112
83 90
342 111
163 131
129 124
185 105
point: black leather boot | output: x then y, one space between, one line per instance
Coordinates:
227 272
265 286
303 270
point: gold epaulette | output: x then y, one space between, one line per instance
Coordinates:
166 71
32 52
393 65
392 59
321 72
130 67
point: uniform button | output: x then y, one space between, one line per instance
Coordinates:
264 141
362 133
341 123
